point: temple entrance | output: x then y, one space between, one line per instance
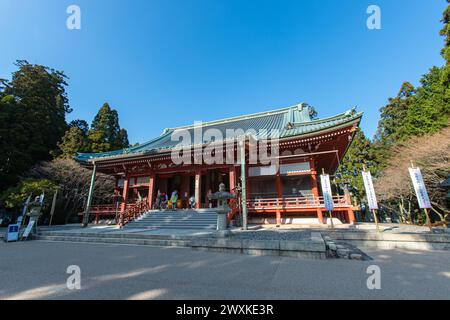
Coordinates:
211 179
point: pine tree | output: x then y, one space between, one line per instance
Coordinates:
74 141
105 133
123 139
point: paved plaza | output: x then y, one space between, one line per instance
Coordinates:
37 270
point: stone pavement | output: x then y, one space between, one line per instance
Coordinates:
37 270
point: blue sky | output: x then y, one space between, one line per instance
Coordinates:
167 63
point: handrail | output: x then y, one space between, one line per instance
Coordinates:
132 212
234 206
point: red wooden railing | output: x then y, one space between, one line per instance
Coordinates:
294 203
234 206
133 212
112 210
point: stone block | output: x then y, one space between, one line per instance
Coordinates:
261 244
302 246
356 256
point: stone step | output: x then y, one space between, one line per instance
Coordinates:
134 241
192 213
179 217
205 220
175 221
187 227
115 235
203 216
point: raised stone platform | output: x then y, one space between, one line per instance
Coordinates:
303 244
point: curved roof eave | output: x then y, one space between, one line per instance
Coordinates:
353 117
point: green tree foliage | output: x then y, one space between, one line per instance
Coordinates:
14 198
445 32
417 111
80 124
32 118
429 111
414 125
105 133
393 116
74 141
359 154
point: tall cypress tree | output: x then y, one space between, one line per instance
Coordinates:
105 133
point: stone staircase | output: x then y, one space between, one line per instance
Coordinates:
181 219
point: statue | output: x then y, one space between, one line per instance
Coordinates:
35 208
223 209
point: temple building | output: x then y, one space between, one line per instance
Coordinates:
281 186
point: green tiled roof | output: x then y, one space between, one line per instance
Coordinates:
288 122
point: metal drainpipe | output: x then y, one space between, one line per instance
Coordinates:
244 187
89 200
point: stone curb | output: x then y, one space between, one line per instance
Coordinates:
394 241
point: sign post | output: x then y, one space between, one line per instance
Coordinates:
421 191
52 211
371 196
24 211
327 195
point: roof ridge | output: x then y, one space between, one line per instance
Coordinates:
237 118
164 134
350 112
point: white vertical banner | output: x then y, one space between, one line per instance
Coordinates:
370 191
326 190
419 187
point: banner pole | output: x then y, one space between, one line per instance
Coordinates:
331 219
374 212
428 219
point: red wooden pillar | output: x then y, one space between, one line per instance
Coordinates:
279 188
125 194
350 213
248 186
351 216
134 191
151 190
198 188
315 190
232 183
116 190
185 193
232 177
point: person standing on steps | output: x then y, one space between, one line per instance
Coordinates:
192 202
157 204
174 199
